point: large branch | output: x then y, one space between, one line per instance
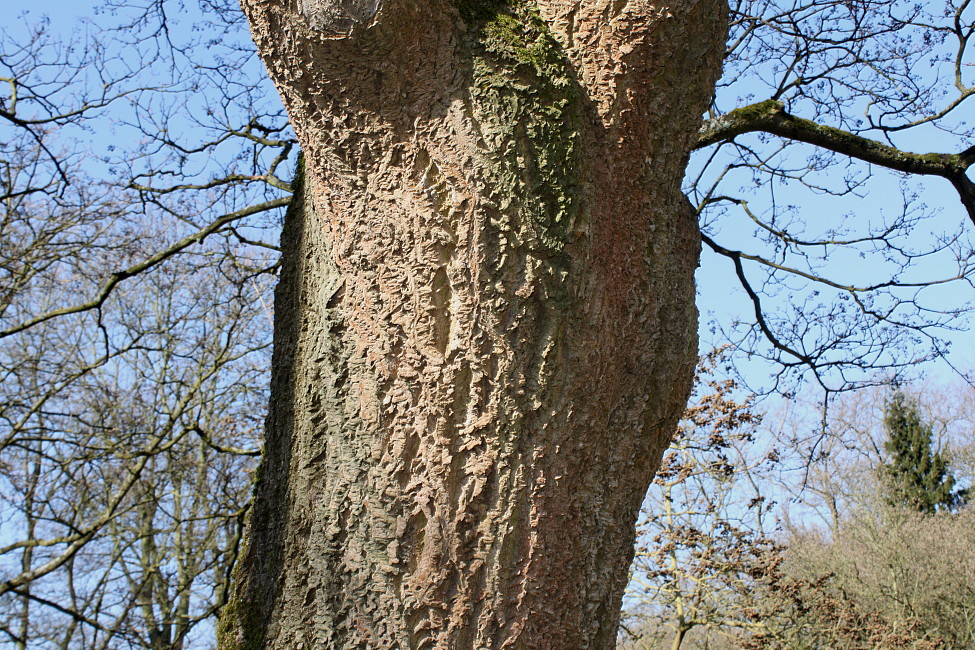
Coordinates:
770 117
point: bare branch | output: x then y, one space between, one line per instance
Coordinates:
132 271
770 117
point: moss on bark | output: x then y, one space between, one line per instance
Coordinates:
243 621
527 103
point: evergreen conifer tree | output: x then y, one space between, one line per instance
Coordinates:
919 478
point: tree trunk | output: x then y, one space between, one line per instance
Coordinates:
485 326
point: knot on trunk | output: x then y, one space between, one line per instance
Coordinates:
338 17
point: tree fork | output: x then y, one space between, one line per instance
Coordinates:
485 328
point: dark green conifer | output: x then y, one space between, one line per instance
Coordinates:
918 477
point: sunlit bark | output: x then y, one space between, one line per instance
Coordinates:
485 325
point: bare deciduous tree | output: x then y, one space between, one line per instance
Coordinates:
706 530
135 327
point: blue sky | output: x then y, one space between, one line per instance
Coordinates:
721 298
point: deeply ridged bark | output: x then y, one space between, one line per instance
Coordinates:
485 325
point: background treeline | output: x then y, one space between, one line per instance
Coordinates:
771 531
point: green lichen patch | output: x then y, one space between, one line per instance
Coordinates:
239 625
527 106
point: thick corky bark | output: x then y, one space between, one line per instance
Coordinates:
485 325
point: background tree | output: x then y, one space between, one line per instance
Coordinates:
917 476
704 532
833 565
889 579
858 571
134 319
